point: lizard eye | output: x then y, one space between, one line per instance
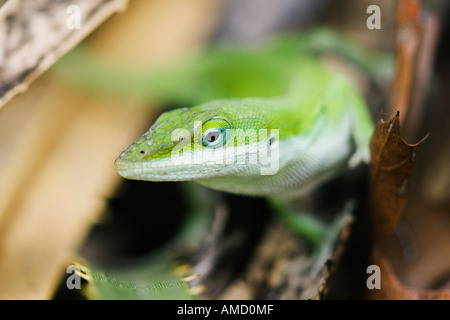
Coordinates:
212 138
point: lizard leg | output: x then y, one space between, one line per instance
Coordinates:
322 236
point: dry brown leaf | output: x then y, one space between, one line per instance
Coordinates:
391 167
393 289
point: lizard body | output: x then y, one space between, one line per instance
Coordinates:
311 122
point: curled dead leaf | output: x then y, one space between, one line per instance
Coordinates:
391 167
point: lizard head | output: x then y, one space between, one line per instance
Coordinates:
213 140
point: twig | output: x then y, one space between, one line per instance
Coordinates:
407 43
34 34
416 37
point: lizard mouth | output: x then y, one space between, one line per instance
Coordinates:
170 169
162 170
148 170
139 163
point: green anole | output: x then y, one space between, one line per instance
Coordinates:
268 121
283 123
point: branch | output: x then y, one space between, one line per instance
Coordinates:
34 34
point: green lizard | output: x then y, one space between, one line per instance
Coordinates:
283 123
269 120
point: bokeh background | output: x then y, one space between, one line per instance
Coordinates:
61 198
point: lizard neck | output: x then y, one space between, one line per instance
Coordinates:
300 165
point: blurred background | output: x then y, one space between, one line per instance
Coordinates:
61 198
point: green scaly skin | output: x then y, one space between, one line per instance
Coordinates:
322 122
314 117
